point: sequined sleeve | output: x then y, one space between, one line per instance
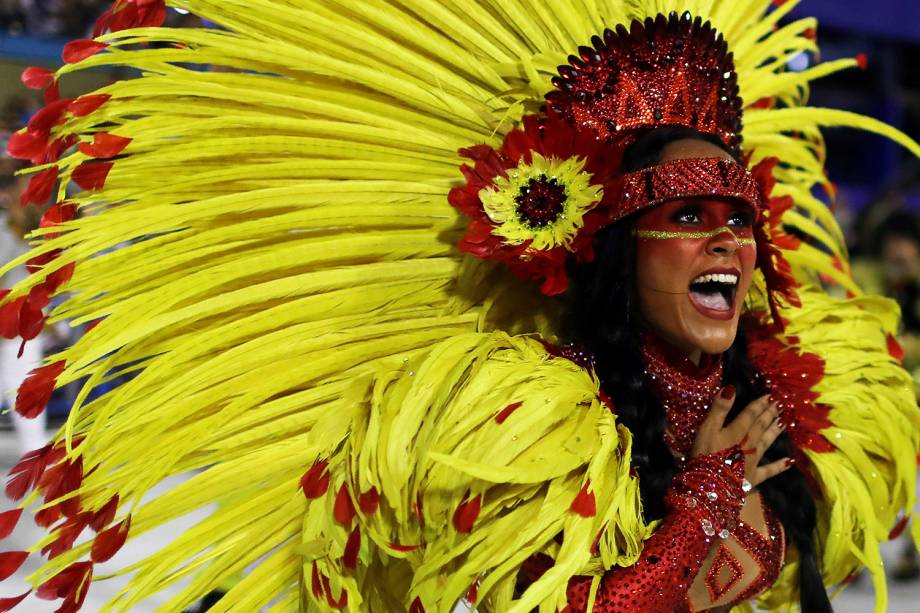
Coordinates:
704 502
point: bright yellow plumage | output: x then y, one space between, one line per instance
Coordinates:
275 250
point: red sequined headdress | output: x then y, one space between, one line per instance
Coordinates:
536 203
667 71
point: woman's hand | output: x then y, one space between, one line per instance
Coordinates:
754 430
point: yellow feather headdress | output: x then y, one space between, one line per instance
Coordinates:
263 243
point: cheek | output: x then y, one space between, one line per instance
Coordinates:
665 264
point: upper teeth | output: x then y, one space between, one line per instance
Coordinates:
732 279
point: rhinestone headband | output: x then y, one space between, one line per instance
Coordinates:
690 178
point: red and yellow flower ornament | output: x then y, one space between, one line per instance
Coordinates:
537 201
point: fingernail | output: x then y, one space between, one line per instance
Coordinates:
790 462
728 392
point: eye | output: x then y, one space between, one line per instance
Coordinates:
689 214
742 218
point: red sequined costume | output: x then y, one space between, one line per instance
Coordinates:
704 504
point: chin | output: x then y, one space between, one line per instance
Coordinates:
715 340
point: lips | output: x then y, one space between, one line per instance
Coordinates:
713 292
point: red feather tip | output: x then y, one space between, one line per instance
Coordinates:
894 348
40 187
84 105
584 503
78 50
344 510
66 583
369 501
108 542
36 390
352 548
91 176
315 481
27 145
417 606
8 604
8 521
105 145
507 411
467 513
10 563
34 77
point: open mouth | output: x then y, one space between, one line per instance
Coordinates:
715 292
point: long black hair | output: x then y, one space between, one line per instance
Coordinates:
604 317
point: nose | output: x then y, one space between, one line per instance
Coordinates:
724 243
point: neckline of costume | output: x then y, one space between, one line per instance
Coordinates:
684 389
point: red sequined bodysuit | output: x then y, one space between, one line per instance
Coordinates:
705 553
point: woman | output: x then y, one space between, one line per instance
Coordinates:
650 322
389 418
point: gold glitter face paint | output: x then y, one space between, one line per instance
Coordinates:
666 235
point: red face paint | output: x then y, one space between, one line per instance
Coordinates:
694 263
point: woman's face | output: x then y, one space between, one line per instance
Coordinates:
694 263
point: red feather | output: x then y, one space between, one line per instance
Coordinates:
84 105
52 92
78 50
49 116
898 528
9 316
352 548
8 521
66 582
344 510
466 514
46 517
105 145
31 317
472 595
417 606
36 390
104 516
585 503
91 176
34 77
403 548
507 411
316 582
315 481
894 348
10 562
27 472
40 187
109 542
27 144
369 501
8 604
342 602
151 13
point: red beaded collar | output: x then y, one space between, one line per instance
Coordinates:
684 389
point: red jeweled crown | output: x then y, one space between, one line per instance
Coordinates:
668 71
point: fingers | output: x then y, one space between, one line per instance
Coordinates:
767 471
770 434
745 420
764 422
721 405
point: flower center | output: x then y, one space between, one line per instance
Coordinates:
541 201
